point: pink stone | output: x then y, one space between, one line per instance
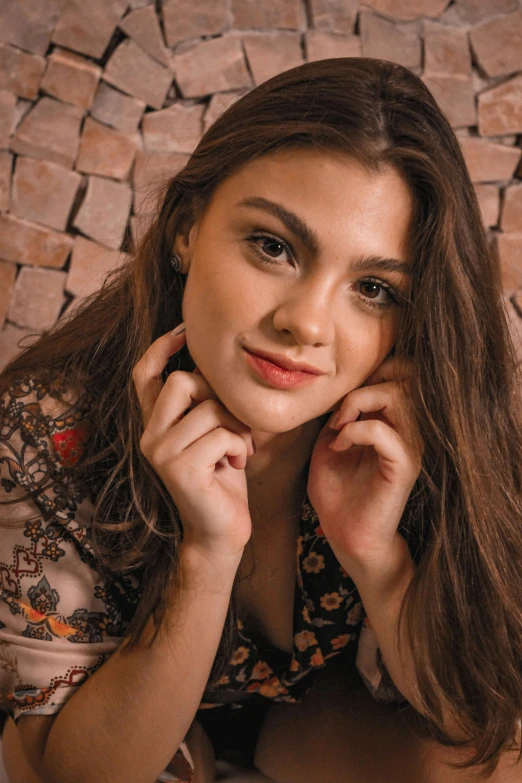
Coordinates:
90 265
143 26
29 243
509 248
321 46
7 279
20 72
105 151
334 16
44 192
475 11
139 225
10 336
514 324
88 27
497 44
71 78
186 46
176 129
270 13
7 117
217 65
105 210
487 161
455 96
22 108
446 50
133 71
38 297
114 108
386 40
219 103
151 173
407 9
185 19
488 199
272 53
6 165
512 209
29 23
50 131
500 109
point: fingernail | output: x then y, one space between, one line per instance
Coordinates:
332 421
179 329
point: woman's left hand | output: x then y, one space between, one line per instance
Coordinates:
360 490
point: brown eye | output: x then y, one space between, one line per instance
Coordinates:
372 285
389 293
272 247
269 249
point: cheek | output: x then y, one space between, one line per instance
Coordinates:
215 311
204 296
359 355
227 291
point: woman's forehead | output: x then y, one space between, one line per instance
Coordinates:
322 196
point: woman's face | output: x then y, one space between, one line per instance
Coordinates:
272 267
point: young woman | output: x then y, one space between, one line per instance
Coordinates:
190 541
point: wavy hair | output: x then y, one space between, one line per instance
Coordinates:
463 519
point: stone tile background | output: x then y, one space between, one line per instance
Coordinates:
100 100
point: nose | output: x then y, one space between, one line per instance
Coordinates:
307 310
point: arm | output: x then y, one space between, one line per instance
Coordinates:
128 719
382 588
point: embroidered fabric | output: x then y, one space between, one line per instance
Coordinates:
60 620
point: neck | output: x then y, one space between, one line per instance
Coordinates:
277 474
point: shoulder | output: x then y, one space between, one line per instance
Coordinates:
43 426
44 413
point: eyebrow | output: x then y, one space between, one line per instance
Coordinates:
310 239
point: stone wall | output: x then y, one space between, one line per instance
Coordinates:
101 98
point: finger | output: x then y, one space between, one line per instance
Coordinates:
386 441
385 398
202 456
146 374
206 417
181 392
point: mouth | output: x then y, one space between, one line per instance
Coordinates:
286 363
277 376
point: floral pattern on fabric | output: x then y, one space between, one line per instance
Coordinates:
327 618
60 620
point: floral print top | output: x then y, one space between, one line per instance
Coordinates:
60 620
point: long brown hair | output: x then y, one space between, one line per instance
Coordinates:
463 519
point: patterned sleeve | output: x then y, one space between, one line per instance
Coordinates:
59 619
370 665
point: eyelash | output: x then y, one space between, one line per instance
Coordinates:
391 292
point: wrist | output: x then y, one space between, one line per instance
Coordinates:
202 569
387 572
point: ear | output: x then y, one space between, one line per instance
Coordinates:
186 237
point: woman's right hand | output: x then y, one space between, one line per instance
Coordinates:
198 449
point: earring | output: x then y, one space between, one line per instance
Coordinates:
175 260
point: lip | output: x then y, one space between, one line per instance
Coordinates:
278 376
287 364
